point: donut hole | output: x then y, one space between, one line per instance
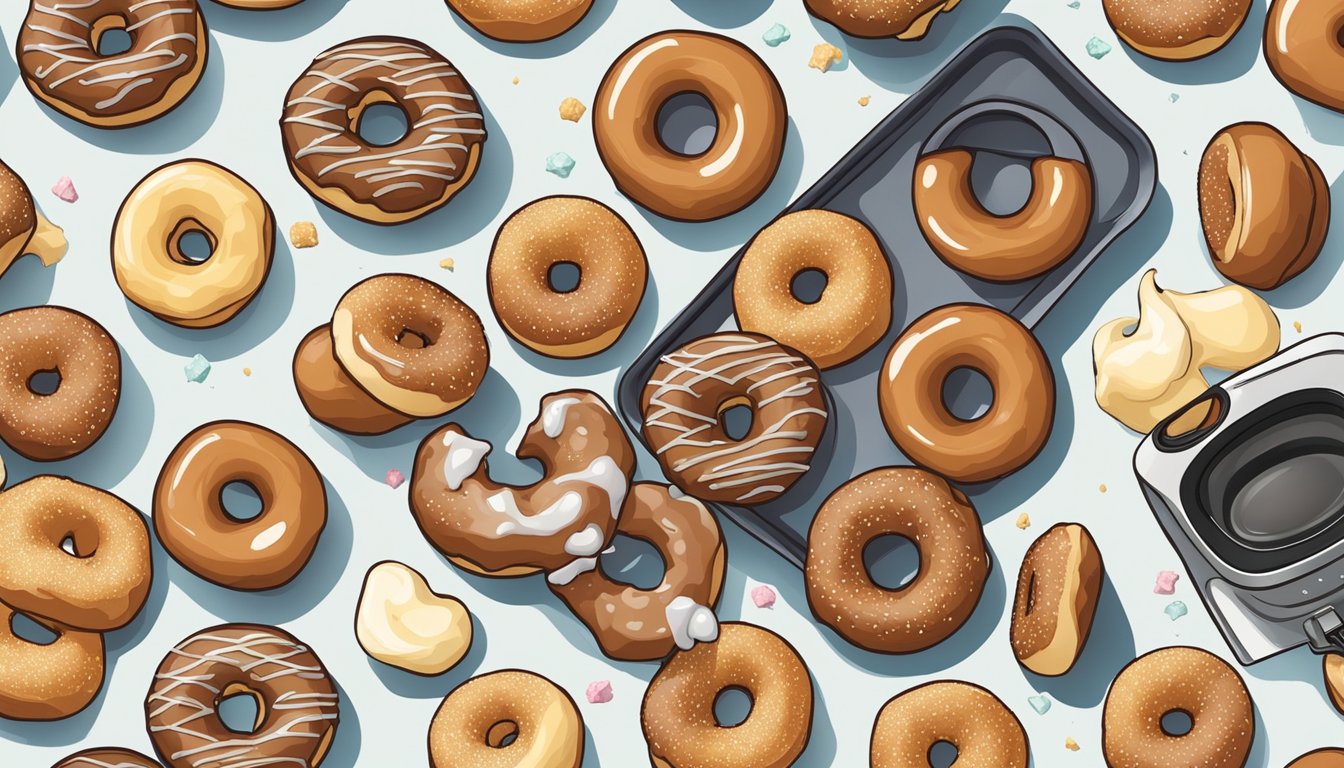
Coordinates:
1001 183
633 561
967 394
892 561
241 501
29 630
44 383
68 546
502 734
191 243
942 754
564 276
808 285
412 339
687 124
240 710
1177 723
108 36
379 120
736 417
732 706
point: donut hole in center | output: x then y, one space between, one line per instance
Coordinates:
942 754
1177 723
108 36
564 276
1001 183
502 734
412 339
241 501
44 383
967 394
240 709
732 706
892 561
29 630
191 243
633 561
736 417
808 285
379 120
687 124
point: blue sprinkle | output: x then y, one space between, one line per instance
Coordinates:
1175 97
1097 48
1039 703
1075 5
561 164
197 369
1176 610
776 34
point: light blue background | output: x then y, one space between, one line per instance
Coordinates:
232 119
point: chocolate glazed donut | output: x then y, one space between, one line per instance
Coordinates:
108 757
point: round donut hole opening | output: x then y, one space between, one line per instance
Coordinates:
732 707
1177 723
108 36
942 754
736 418
501 734
191 245
808 285
412 339
632 561
564 277
967 394
687 124
1001 183
240 710
380 121
241 501
892 561
44 383
28 630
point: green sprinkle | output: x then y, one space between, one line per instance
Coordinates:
1176 610
776 34
197 369
1097 48
1039 703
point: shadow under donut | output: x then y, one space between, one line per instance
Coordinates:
272 26
344 750
9 70
1110 646
26 283
723 15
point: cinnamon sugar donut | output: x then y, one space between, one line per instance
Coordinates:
902 19
48 426
1303 48
23 228
1176 30
1320 758
108 757
1057 592
57 52
985 732
521 21
506 719
48 681
331 396
411 344
382 184
566 230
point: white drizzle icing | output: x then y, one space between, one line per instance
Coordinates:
79 761
604 474
561 514
585 543
553 417
691 622
463 458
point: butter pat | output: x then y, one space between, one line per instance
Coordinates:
402 622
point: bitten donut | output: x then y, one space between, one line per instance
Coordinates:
501 530
58 54
108 757
23 228
48 681
50 425
192 523
1040 236
750 114
692 387
103 585
953 561
411 344
634 624
1320 758
192 196
1302 48
579 232
298 709
985 732
854 310
521 21
1263 204
1176 30
1057 591
382 184
902 19
331 396
910 393
678 710
504 719
1179 679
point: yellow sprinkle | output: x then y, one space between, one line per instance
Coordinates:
247 371
1297 326
1070 744
1023 521
303 234
1102 488
825 56
515 79
446 263
863 101
572 109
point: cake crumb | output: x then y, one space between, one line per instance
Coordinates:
825 56
515 79
1070 744
863 101
303 234
572 109
1023 521
247 371
446 264
1102 487
1297 326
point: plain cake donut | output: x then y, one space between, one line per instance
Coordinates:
985 732
521 21
902 19
1056 599
1176 30
1320 758
505 719
48 681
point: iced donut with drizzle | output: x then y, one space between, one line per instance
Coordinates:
693 387
298 708
382 184
501 530
59 56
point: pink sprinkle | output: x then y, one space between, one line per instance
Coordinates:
65 189
1166 583
599 692
763 597
395 478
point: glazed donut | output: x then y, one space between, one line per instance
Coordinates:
23 228
1176 30
1320 758
853 312
263 552
1178 679
474 724
1302 47
953 561
382 184
633 624
985 732
411 344
178 199
750 113
910 393
108 757
1057 591
1333 670
331 396
58 56
678 710
693 386
1043 234
298 708
521 21
1264 205
902 19
259 5
103 585
64 422
566 230
500 530
48 681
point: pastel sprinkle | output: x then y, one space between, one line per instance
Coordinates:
1097 48
598 692
197 369
247 371
863 101
515 80
572 109
1040 703
764 597
776 34
1174 97
1075 5
447 263
395 478
1070 744
1166 583
560 164
65 190
1102 487
1176 610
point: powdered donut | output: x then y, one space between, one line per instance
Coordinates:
521 21
985 732
108 757
52 681
475 720
331 396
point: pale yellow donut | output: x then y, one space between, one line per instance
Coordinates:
178 198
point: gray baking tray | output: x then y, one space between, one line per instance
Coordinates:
1009 95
